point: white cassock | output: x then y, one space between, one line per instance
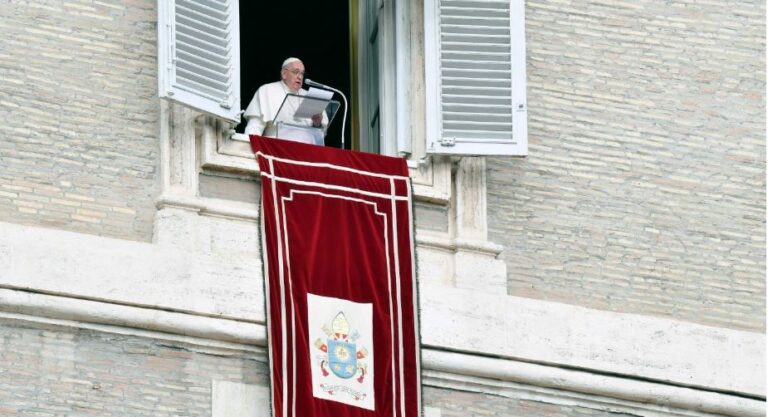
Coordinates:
263 108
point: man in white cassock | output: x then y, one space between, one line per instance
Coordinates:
262 110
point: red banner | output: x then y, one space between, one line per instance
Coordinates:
338 252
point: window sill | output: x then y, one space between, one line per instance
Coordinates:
222 152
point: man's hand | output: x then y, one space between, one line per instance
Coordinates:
317 120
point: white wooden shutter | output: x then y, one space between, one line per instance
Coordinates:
475 77
199 55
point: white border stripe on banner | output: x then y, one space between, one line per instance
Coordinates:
415 301
281 276
330 166
391 326
333 187
290 276
293 309
398 291
268 307
389 276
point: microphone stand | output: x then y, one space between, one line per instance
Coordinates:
343 97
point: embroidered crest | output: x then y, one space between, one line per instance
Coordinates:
340 331
341 349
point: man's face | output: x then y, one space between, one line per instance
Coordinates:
293 76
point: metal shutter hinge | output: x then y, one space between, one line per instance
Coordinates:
226 103
448 142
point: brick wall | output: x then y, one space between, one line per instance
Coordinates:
78 138
59 371
644 188
50 370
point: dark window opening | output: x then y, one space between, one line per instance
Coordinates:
315 32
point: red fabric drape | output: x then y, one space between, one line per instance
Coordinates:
339 277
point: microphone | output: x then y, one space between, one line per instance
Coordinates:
316 84
344 119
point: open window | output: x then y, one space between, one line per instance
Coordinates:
473 80
316 32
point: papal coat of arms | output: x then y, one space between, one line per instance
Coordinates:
342 356
341 350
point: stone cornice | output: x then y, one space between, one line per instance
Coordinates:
443 369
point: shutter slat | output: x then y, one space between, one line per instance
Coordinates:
185 50
198 60
468 85
485 56
480 23
192 37
220 5
479 101
480 84
475 12
474 38
481 138
199 89
475 65
475 108
488 48
215 33
479 91
473 30
469 126
220 79
451 80
183 74
463 74
462 118
502 4
204 19
207 8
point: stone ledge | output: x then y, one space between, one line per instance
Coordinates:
95 312
210 206
554 334
573 387
451 370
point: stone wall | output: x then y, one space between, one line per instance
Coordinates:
51 370
644 188
644 193
78 87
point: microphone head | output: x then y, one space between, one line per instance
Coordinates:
312 83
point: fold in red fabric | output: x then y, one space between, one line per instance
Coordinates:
338 253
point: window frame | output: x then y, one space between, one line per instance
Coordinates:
222 149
